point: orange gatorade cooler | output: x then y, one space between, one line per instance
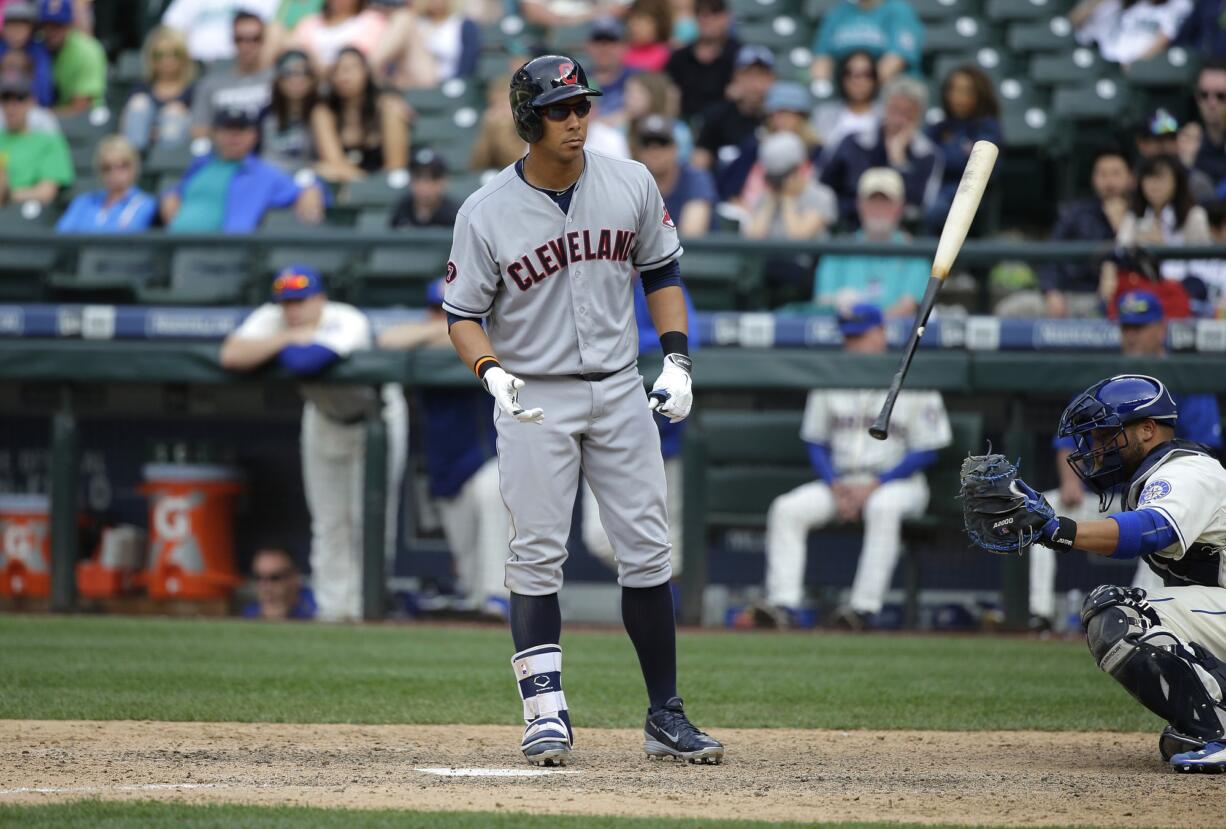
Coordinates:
25 545
191 530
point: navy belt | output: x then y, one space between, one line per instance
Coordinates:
597 376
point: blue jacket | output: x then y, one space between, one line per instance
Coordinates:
257 187
922 174
133 213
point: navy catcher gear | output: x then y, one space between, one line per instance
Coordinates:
1096 420
540 82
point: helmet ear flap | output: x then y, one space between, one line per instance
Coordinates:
528 123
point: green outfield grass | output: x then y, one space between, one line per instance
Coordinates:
106 668
91 814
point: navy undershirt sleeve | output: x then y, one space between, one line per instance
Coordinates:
452 319
662 277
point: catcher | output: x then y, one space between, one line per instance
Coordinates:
1167 647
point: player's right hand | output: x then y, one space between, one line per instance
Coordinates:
505 389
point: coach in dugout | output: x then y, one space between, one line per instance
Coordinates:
1143 335
305 333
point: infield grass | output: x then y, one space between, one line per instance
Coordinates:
93 814
104 668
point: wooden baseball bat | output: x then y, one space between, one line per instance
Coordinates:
957 223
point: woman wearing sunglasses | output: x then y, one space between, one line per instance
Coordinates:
119 206
159 110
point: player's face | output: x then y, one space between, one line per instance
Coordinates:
565 129
1143 340
1111 178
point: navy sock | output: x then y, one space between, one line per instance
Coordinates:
535 620
647 613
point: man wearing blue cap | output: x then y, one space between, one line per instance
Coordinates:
1142 334
305 333
460 442
858 478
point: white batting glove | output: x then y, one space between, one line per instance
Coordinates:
673 393
505 389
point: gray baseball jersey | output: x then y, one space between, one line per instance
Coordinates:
556 289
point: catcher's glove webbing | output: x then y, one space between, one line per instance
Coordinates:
1001 513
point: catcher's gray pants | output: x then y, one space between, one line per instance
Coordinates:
604 428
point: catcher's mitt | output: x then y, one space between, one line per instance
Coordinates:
1000 512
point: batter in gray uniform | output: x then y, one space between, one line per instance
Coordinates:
540 303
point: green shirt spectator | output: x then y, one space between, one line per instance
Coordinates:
889 30
33 165
78 59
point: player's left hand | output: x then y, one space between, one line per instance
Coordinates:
1001 512
673 393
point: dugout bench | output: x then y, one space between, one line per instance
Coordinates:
749 458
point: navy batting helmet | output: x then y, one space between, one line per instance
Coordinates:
1095 421
540 82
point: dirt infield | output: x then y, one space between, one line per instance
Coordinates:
997 778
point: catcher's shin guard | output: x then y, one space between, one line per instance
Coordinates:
1180 682
548 735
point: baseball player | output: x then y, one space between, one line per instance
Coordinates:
305 333
1165 646
539 298
1142 334
462 467
595 539
881 482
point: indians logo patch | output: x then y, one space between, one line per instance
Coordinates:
568 73
668 220
1153 491
451 273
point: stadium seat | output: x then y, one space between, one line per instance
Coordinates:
815 10
932 11
397 275
202 276
82 158
722 280
779 34
450 95
1173 68
129 68
1103 100
172 159
106 274
1054 35
87 128
373 191
753 457
332 262
1028 127
457 153
992 61
373 220
1004 11
746 10
23 268
1066 67
463 185
960 34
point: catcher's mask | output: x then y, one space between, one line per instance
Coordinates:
1095 421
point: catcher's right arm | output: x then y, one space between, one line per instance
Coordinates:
1002 514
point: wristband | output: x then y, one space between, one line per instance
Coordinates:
675 342
484 364
1062 535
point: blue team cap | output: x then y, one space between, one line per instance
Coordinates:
434 293
296 282
1139 308
859 318
55 11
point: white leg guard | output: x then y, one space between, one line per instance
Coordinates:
539 674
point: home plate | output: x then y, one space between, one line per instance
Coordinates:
446 772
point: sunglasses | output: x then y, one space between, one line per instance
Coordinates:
248 38
10 97
158 54
656 141
858 73
290 282
1206 94
273 578
561 112
113 166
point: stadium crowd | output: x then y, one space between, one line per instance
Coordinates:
822 119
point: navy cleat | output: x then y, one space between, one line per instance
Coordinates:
546 742
669 733
1209 760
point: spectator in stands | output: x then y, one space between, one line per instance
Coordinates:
856 110
39 119
793 206
1162 213
1071 289
1127 31
606 45
427 203
120 206
1142 336
209 24
703 69
857 479
279 592
230 189
649 25
33 165
285 126
497 145
554 13
972 114
1210 155
78 62
245 84
893 283
726 124
689 194
429 45
888 30
653 93
159 110
900 143
358 128
1202 30
787 110
1160 134
17 35
339 25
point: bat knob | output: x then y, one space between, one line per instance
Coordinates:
878 432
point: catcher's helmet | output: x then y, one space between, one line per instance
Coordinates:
1102 411
540 82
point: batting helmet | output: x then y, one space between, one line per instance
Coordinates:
1096 420
540 82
